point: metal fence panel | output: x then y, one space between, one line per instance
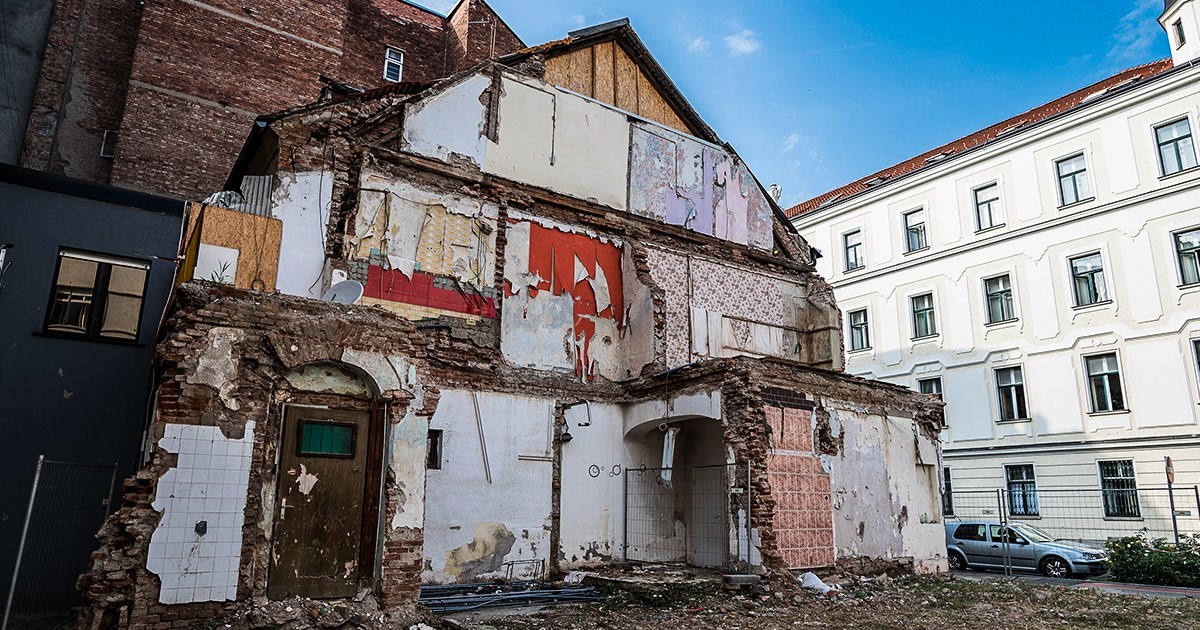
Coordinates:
692 515
67 505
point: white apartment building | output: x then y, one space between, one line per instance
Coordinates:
1043 276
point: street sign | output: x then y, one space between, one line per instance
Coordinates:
1170 471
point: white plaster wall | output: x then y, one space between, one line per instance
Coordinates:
301 201
553 139
878 472
517 431
440 126
1150 322
592 498
208 484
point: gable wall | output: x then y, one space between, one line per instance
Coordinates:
606 73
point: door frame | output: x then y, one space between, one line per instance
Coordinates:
372 517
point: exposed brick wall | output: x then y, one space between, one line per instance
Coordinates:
278 334
81 90
197 73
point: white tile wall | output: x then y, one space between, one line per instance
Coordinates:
208 484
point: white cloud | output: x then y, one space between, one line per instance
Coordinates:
577 19
791 141
743 42
1136 33
698 45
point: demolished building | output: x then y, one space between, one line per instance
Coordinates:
585 334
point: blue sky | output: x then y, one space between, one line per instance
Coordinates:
817 93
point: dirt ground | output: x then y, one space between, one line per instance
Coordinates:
940 602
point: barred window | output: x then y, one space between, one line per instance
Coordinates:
1119 489
1022 490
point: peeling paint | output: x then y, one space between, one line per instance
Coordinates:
216 366
484 554
305 481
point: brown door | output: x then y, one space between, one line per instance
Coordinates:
319 504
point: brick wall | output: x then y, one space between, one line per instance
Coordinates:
81 90
183 81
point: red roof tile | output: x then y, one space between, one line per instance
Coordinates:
982 136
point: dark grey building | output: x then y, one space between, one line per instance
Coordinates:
85 275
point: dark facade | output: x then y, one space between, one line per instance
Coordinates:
74 394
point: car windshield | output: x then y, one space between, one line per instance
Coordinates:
1035 534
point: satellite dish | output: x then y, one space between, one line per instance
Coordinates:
344 292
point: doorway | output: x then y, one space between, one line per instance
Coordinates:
320 504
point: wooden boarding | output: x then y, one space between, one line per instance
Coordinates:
606 73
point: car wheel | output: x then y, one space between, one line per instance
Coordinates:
956 561
1055 567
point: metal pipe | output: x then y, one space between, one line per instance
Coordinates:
112 484
1174 516
12 587
749 513
487 468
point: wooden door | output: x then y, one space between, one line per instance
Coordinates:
319 504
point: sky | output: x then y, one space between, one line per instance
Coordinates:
814 94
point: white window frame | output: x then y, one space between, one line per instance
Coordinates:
1180 35
1087 173
921 228
389 61
862 251
995 207
866 329
1087 384
1136 495
1178 256
1104 276
1162 167
1024 393
1012 292
1037 511
912 311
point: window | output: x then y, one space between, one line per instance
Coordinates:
108 144
1180 37
1073 183
1104 383
433 450
948 497
852 246
1175 149
393 65
987 207
1187 249
97 297
860 330
924 318
914 230
1022 490
1010 391
320 438
1004 534
999 294
1087 280
1119 489
1196 354
931 386
971 531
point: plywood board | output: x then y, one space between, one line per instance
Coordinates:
626 79
604 85
572 70
256 238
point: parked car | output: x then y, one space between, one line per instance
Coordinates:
980 545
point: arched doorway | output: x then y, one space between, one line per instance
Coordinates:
678 511
327 496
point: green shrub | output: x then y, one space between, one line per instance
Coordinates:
1141 560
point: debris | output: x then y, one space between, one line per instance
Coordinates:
575 577
810 581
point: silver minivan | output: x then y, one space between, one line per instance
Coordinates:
980 545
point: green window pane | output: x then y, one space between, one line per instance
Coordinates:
327 439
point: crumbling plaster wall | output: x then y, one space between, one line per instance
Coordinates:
302 201
224 362
490 500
